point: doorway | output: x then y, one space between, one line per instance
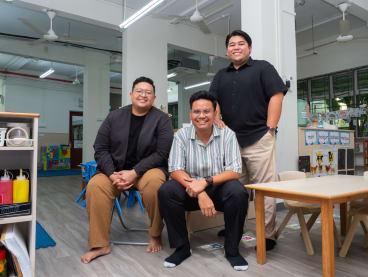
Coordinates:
76 138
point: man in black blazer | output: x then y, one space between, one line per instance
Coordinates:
131 149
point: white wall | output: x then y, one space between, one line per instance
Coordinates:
335 57
52 100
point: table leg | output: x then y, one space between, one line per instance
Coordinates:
328 255
260 230
343 218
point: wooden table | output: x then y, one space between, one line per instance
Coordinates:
326 191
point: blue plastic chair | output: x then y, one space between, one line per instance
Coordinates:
88 170
132 196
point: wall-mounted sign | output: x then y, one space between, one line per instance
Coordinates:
334 138
344 138
322 137
310 137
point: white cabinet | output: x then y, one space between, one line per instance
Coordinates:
26 158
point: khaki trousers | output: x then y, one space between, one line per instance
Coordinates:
101 196
259 167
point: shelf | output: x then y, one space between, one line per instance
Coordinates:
16 219
8 148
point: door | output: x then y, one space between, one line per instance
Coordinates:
76 138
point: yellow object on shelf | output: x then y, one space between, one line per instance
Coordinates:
21 188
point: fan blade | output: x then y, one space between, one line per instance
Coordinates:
320 45
203 27
344 27
76 41
177 18
35 28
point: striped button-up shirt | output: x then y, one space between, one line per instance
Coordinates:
199 160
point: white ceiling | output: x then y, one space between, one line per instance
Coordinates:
325 22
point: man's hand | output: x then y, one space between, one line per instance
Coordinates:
206 205
129 176
123 180
195 186
220 123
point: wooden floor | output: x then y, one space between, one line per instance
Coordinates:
67 224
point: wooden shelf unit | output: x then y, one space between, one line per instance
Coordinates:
26 158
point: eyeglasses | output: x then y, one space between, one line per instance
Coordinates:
144 92
198 112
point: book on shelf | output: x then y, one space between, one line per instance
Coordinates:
13 241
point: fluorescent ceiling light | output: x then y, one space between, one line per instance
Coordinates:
198 85
151 5
47 73
171 75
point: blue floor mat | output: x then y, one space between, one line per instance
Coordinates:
53 173
43 240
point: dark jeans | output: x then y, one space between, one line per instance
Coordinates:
231 198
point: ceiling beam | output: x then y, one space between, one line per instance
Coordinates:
16 63
318 24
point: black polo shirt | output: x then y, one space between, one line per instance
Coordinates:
243 95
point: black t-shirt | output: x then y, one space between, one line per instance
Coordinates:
243 95
136 123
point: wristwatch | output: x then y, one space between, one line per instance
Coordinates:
273 130
209 180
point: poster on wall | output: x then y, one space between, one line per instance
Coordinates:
324 162
310 137
334 138
322 137
344 138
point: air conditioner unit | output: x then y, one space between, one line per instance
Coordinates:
184 65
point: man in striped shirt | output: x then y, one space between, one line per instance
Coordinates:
204 165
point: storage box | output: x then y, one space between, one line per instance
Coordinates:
15 209
197 222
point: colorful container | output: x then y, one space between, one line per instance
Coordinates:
6 189
21 188
3 263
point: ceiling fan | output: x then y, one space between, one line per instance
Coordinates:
312 50
50 35
344 25
198 20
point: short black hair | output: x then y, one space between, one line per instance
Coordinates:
203 94
238 33
143 79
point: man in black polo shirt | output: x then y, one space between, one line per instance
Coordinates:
250 94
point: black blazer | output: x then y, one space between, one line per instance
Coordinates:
154 141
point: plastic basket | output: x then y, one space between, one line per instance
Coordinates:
2 136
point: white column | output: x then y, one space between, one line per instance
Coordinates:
2 94
96 97
144 54
271 25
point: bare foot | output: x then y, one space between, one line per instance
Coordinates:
155 245
94 253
